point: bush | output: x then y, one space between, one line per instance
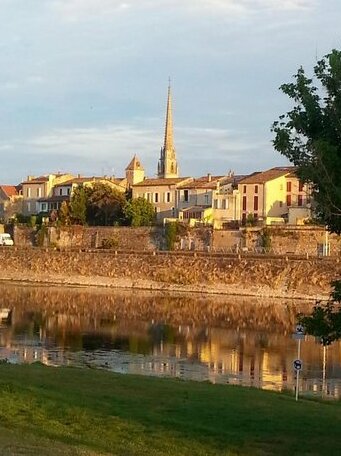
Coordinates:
110 243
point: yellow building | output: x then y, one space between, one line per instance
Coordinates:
36 188
265 196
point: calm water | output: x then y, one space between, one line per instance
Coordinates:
244 341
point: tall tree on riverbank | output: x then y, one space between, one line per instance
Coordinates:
78 206
310 135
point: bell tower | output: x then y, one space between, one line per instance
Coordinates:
168 165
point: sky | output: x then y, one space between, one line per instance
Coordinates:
83 83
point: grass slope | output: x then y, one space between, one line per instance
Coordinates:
66 411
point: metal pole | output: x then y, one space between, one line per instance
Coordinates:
297 371
324 370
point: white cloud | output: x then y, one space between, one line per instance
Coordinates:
77 9
113 146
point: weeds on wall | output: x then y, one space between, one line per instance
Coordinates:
171 233
265 240
110 243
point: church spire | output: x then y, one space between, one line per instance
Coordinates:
168 167
168 142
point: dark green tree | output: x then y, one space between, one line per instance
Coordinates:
310 135
78 206
139 212
325 320
104 205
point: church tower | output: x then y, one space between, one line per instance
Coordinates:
168 166
134 172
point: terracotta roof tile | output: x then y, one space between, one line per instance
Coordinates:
160 182
9 190
265 176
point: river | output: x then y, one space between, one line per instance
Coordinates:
231 340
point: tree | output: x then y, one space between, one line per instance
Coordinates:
139 212
64 213
325 320
104 205
78 206
310 135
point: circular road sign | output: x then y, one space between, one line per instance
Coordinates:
297 364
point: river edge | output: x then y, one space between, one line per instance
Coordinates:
152 286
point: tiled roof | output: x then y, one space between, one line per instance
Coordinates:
134 165
9 190
37 180
265 176
160 182
209 182
195 208
82 180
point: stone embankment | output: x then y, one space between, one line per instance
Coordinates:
268 277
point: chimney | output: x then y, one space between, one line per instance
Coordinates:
209 177
29 178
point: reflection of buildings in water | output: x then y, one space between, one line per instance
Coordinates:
260 354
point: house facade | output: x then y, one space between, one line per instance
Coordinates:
36 188
162 193
10 201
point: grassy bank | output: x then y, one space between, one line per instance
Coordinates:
67 411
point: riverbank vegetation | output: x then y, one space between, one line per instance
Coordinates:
46 410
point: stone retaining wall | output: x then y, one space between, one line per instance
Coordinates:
244 276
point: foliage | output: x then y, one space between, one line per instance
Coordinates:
104 205
96 412
78 206
41 235
171 232
265 239
325 320
139 212
250 220
110 243
64 214
310 135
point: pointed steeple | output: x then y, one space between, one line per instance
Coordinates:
168 166
134 165
169 142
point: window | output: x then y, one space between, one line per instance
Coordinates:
44 207
167 197
300 200
281 204
186 196
148 197
256 188
156 197
244 189
300 186
60 191
38 192
68 191
206 199
289 187
288 200
223 204
28 207
29 192
244 203
215 204
255 203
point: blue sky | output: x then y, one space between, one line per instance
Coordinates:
83 83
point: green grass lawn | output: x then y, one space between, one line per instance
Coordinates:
68 411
